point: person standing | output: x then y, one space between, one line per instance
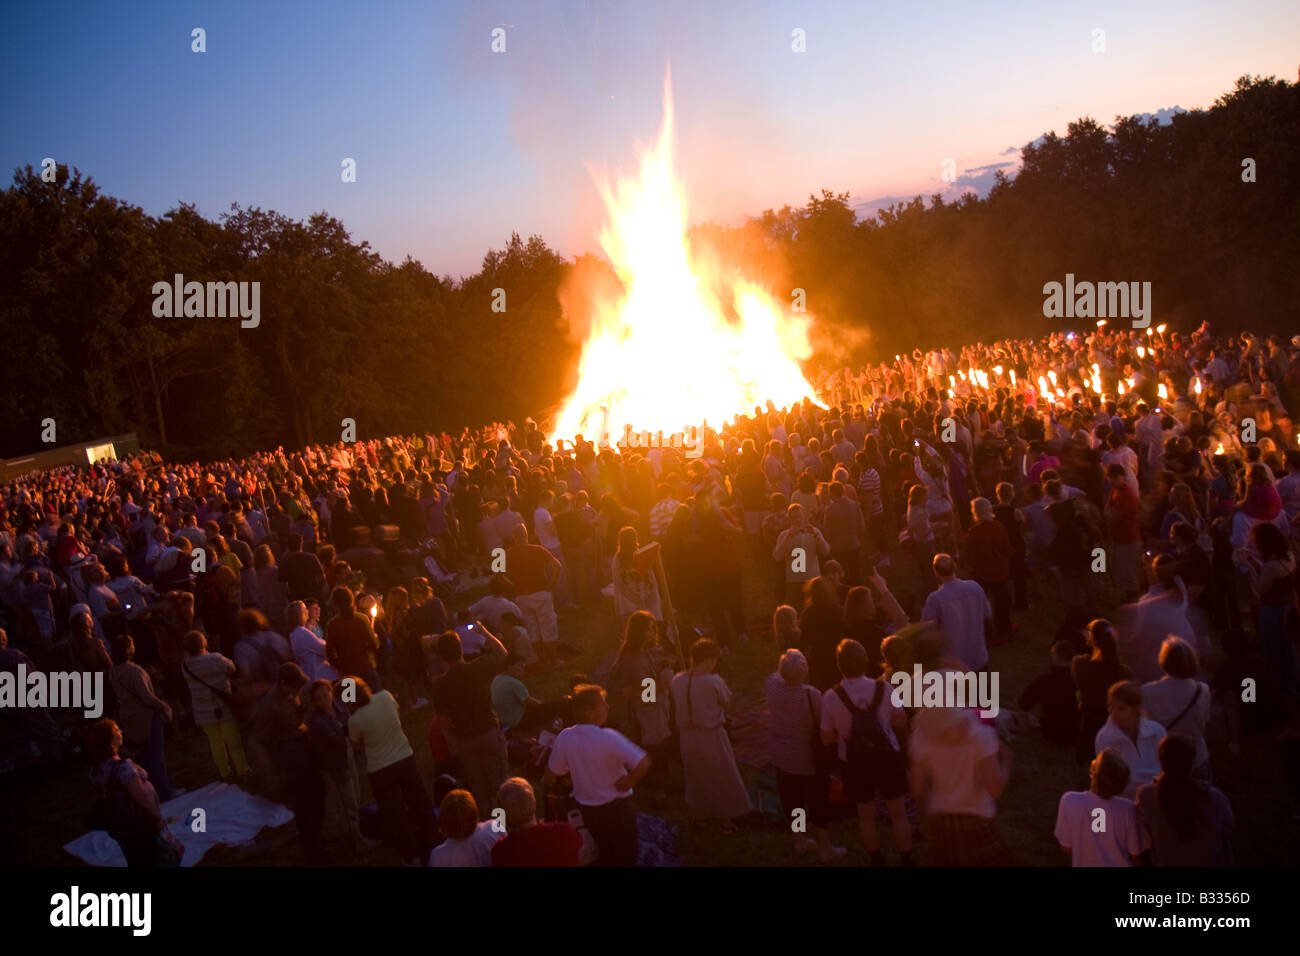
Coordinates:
279 729
959 609
798 552
351 643
535 571
860 717
127 805
1178 701
605 767
375 728
548 537
794 743
846 529
958 771
208 675
1122 520
714 787
1132 736
143 713
327 730
1188 820
988 549
462 698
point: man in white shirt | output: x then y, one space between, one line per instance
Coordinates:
885 775
959 609
1160 613
1097 826
549 538
604 767
1131 735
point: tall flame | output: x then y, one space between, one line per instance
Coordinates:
662 353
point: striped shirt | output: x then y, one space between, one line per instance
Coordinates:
869 491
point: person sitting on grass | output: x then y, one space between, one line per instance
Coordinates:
1054 690
528 842
468 842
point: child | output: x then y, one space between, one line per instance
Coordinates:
1054 689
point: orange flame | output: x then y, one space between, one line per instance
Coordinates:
662 353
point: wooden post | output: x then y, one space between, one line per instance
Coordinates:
666 598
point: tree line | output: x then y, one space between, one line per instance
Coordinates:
345 334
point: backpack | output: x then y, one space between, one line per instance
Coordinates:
867 742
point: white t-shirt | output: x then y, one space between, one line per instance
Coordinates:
953 769
474 850
1143 762
862 691
1169 697
1096 839
309 652
544 525
594 757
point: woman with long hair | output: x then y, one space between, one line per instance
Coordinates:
1182 507
635 589
1093 675
785 626
821 628
642 674
408 651
1188 820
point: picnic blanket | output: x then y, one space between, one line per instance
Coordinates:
233 817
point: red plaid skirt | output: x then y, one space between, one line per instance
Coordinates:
963 839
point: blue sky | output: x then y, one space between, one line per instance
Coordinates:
457 146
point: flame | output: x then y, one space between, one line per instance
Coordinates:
662 353
1219 450
1160 329
1198 386
1162 391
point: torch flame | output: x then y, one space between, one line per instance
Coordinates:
662 353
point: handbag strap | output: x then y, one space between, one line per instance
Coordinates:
1190 704
220 692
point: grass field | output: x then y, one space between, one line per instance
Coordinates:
43 810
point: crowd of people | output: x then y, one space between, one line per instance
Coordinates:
294 605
